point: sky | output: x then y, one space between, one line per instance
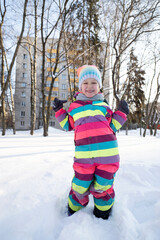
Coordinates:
144 51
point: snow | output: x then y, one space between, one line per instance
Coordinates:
35 178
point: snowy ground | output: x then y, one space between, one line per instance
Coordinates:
35 177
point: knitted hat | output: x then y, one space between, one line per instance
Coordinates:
89 71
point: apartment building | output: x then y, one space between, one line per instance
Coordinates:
23 83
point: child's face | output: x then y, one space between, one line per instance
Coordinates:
90 87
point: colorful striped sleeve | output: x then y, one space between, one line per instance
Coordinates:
117 120
65 120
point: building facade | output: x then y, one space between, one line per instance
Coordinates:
61 87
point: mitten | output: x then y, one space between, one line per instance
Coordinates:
123 107
58 104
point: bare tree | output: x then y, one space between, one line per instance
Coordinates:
12 108
151 108
157 122
10 67
3 12
44 38
34 72
130 20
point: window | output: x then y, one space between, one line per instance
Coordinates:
51 55
72 75
24 75
63 86
22 123
24 56
48 84
23 84
26 47
49 74
63 95
23 104
23 94
64 59
22 114
50 64
40 95
40 123
55 84
52 124
64 77
71 66
54 94
52 113
25 65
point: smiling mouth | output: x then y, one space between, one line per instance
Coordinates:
90 91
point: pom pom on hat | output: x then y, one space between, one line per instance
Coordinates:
89 71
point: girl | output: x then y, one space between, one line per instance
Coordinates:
96 159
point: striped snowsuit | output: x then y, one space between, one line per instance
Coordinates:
96 151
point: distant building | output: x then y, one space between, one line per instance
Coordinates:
23 84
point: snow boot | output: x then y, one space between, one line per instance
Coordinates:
70 211
102 214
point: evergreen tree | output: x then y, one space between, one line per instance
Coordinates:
134 91
87 28
93 28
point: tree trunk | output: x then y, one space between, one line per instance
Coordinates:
67 60
2 84
141 127
127 127
3 110
32 94
156 126
46 112
2 73
144 133
83 34
16 50
13 109
45 128
34 79
63 18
